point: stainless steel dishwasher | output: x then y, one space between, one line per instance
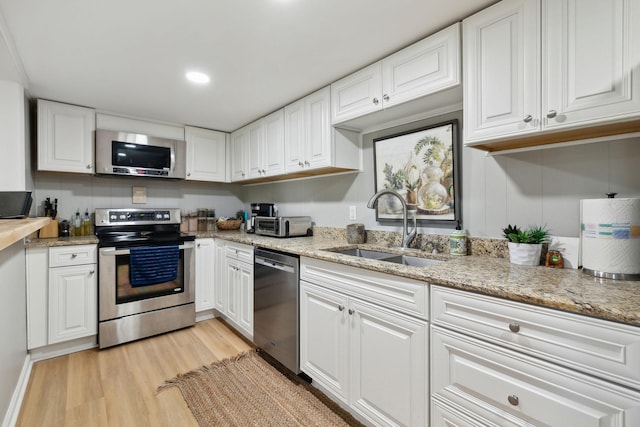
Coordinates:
275 300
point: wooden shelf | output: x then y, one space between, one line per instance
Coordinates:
12 230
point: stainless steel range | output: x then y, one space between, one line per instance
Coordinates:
146 274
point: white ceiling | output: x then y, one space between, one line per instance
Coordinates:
130 56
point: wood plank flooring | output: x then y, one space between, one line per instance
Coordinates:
117 386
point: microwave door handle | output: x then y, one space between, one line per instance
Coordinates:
173 159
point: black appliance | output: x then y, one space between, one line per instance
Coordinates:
146 282
261 209
15 204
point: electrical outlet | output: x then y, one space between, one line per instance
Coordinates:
139 195
352 212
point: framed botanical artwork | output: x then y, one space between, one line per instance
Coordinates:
422 166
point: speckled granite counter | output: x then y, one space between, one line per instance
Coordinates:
61 241
563 289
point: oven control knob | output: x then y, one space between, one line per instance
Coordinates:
123 216
166 216
158 216
113 217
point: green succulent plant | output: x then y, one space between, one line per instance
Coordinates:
531 235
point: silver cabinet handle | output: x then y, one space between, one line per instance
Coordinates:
188 173
92 271
375 101
242 173
301 164
551 114
351 311
89 166
527 118
264 171
514 327
198 244
385 97
74 255
306 162
513 399
341 307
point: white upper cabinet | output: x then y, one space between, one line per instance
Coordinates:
65 137
239 154
424 68
546 71
311 143
206 151
266 146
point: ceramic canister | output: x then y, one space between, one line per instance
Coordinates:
458 242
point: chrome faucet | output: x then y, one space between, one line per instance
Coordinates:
407 237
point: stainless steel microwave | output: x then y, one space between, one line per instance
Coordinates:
133 154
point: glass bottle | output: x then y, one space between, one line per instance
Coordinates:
86 224
77 224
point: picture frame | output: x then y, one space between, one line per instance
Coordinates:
422 165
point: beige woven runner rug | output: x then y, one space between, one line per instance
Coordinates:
248 391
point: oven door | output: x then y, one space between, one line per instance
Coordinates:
118 298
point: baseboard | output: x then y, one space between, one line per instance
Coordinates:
59 349
205 315
11 416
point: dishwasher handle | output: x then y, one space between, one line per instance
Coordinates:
274 264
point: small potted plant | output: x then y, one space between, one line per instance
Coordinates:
525 246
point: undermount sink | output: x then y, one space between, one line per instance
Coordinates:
413 261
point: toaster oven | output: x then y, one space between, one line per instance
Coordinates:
283 226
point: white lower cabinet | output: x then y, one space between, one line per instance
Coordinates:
62 302
497 362
236 301
370 358
205 274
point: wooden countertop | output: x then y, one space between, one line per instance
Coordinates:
13 230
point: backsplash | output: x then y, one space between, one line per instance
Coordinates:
479 246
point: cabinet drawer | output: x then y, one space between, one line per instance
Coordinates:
239 251
61 256
597 347
494 382
399 293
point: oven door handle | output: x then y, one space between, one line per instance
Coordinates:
114 251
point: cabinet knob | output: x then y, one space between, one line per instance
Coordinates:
188 173
198 244
74 255
92 271
264 171
551 114
527 118
375 101
242 173
306 162
514 327
301 164
341 307
385 97
351 311
89 166
513 399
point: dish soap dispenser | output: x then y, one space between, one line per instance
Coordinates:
458 241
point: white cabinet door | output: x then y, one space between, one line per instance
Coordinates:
324 338
232 278
273 156
425 67
501 49
245 291
65 137
388 371
294 137
206 154
591 53
239 154
255 153
318 128
357 94
220 285
205 274
72 302
508 388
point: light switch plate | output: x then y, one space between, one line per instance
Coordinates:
139 195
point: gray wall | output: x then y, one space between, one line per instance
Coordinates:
13 309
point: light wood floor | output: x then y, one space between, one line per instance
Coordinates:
117 386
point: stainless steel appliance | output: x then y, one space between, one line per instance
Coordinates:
283 226
261 209
132 154
276 313
146 280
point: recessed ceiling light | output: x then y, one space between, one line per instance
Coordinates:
197 77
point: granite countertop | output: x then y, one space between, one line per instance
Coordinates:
565 289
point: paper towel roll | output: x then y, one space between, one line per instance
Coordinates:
611 235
